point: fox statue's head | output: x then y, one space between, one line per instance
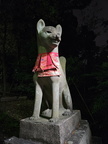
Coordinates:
48 36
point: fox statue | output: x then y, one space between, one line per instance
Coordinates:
49 75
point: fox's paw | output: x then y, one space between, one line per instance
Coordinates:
67 113
34 117
53 120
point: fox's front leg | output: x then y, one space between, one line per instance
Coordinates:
68 101
55 99
38 101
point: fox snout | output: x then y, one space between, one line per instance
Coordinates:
56 37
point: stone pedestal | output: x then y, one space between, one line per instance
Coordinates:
47 132
68 130
81 135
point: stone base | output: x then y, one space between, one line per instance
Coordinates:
81 135
67 130
15 140
45 132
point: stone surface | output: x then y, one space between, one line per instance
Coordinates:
15 140
81 135
47 132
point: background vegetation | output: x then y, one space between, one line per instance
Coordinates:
87 64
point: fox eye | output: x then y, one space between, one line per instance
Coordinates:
49 32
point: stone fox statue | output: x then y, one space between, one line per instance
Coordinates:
49 77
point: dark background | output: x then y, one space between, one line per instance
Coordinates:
87 63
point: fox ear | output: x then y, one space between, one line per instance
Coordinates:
40 25
59 29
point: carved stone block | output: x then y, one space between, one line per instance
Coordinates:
47 132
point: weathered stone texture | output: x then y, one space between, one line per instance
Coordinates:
47 132
81 135
68 130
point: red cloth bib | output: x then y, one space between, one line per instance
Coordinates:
47 64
